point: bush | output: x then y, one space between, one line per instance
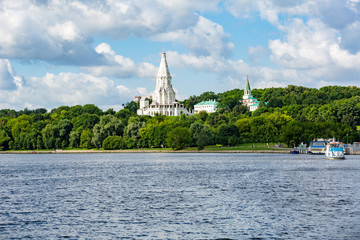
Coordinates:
130 143
113 142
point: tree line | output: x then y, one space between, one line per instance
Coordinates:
292 115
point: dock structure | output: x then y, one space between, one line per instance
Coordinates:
352 149
318 147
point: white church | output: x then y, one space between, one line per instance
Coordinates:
163 97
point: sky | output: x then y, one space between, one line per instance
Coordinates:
105 52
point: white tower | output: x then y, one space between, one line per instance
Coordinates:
163 93
247 90
163 97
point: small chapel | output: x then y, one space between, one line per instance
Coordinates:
248 99
162 101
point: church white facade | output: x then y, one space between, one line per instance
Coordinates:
163 97
207 106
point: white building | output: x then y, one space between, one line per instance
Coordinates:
208 106
248 100
163 97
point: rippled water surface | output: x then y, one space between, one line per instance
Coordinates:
179 196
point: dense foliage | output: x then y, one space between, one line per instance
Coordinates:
292 115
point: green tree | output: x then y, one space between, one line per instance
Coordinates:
155 131
216 119
291 133
227 104
4 140
208 96
239 110
129 143
74 111
85 120
50 134
85 139
124 115
110 111
191 101
132 130
35 135
18 125
64 128
131 106
201 134
244 130
109 125
204 137
228 134
91 109
178 138
74 139
202 115
113 142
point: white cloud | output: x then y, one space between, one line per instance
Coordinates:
7 79
341 15
66 31
61 31
65 88
337 13
350 36
119 66
270 9
236 71
205 38
306 45
142 91
344 58
315 47
199 63
314 51
319 44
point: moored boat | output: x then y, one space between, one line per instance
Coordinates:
317 147
294 151
335 150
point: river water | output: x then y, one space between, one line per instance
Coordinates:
179 196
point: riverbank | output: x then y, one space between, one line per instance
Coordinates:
243 148
279 151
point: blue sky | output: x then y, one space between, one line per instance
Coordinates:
71 52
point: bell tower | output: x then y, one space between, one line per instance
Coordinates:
247 90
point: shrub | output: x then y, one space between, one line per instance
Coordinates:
113 142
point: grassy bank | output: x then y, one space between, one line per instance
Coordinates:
248 147
243 148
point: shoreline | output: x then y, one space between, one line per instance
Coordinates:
144 151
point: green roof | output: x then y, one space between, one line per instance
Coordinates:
247 87
210 102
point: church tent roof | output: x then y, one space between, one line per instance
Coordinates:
247 87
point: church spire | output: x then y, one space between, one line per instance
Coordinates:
247 87
247 91
163 93
163 69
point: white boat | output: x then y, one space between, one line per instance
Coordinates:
317 146
335 150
